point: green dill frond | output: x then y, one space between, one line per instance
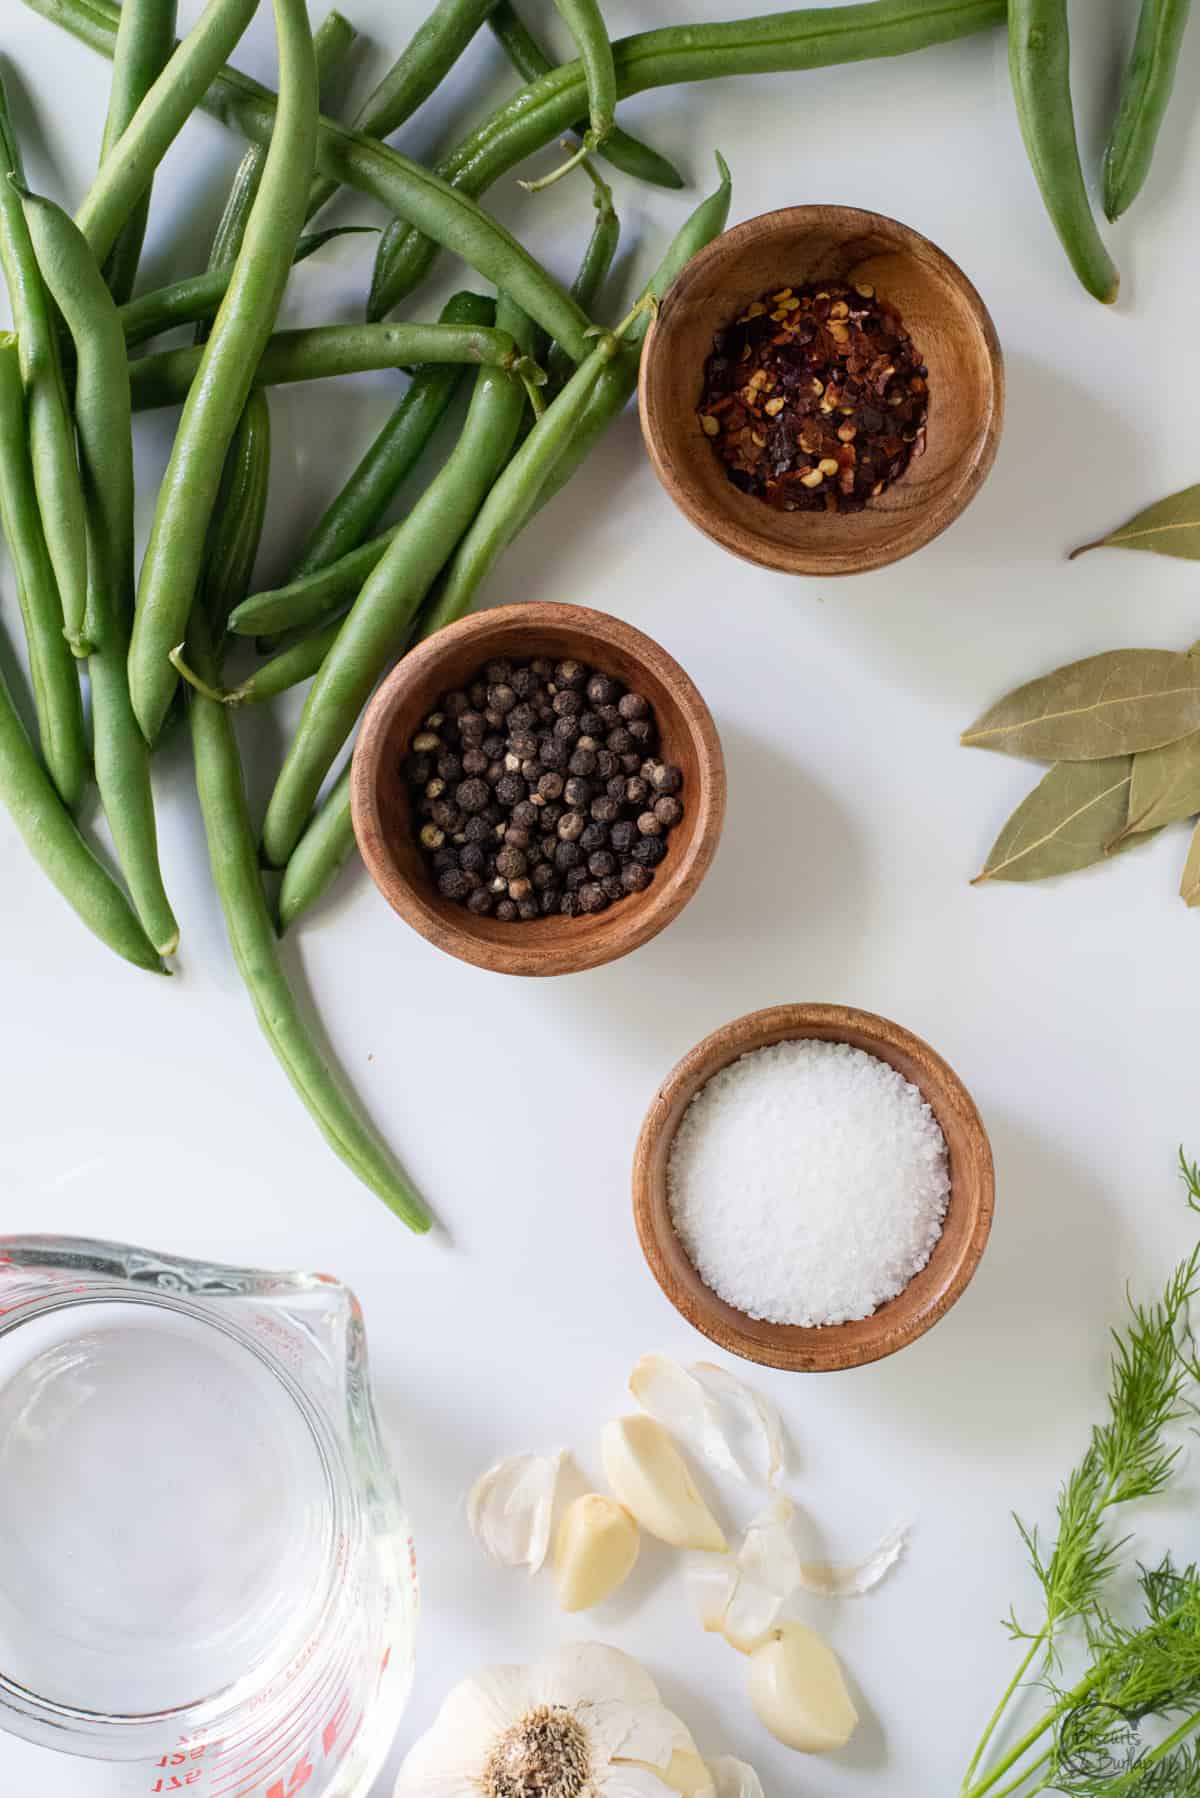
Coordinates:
1191 1179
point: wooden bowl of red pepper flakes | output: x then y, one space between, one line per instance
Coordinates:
822 391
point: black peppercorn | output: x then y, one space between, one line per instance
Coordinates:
501 698
550 786
666 778
516 837
543 876
602 690
578 790
593 836
553 754
511 789
472 727
522 717
592 897
630 764
453 884
455 704
525 814
641 730
551 813
477 830
449 766
418 768
570 827
606 764
511 862
498 670
471 858
567 856
605 810
542 668
548 901
520 888
523 744
447 817
633 705
668 811
611 886
648 825
472 795
649 851
445 858
575 878
567 704
477 693
474 761
637 790
568 905
569 673
480 902
592 725
583 761
619 741
623 835
566 729
635 878
506 911
601 862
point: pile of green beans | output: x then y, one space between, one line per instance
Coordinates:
359 589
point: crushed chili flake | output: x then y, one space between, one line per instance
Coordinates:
815 398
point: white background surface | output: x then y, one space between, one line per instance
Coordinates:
152 1111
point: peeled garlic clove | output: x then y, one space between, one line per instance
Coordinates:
594 1552
651 1479
798 1691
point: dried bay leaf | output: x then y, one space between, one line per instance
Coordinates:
1166 782
1189 886
1066 823
1170 527
1106 705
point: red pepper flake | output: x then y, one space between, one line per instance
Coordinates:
815 398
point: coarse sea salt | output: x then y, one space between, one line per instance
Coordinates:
808 1182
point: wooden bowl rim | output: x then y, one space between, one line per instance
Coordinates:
737 534
796 1348
627 925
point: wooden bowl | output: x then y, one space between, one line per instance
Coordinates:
928 1296
382 819
949 325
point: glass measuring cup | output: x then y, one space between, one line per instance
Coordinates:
207 1583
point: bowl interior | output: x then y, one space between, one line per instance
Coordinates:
383 814
927 1296
949 326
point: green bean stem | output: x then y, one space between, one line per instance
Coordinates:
50 835
593 270
225 373
372 487
404 187
422 65
318 352
197 297
128 169
312 597
585 22
1039 61
145 40
810 38
55 682
380 619
619 148
48 413
1145 94
233 855
103 425
287 669
328 842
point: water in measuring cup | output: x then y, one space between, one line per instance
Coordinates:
165 1510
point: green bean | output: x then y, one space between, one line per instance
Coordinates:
1145 94
328 842
422 65
774 42
585 22
320 855
376 481
128 169
319 352
145 40
196 298
237 521
593 270
233 854
51 837
1039 61
227 364
55 682
333 40
619 148
287 669
47 412
448 216
103 425
311 597
381 616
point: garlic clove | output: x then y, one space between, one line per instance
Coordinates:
511 1506
651 1479
799 1692
734 1779
594 1552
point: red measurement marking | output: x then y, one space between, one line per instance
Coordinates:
332 1730
182 1755
177 1784
239 1780
301 1773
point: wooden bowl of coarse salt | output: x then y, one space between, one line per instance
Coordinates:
813 1187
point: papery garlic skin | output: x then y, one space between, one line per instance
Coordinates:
651 1479
734 1779
595 1551
510 1509
799 1692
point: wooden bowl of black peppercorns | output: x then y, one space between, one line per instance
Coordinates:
485 789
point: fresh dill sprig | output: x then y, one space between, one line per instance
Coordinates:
1155 1669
